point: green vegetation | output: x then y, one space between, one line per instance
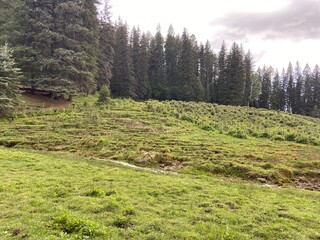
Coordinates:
9 75
190 137
64 196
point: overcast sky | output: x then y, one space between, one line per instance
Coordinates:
276 31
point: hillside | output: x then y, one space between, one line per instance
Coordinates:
236 172
190 137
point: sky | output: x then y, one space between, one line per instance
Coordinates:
275 31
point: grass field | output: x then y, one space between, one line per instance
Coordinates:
56 181
64 196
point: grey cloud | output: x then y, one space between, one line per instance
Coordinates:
300 20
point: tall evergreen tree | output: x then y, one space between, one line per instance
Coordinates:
221 92
56 45
140 60
264 98
297 106
123 83
157 70
291 86
316 86
106 52
171 62
206 72
191 85
248 71
144 87
235 76
8 80
308 91
276 94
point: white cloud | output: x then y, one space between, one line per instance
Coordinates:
197 17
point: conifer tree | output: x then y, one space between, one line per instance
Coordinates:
290 88
144 87
297 106
221 92
123 83
308 91
264 98
206 72
157 70
140 63
106 51
248 71
235 76
9 75
316 87
192 89
171 63
276 92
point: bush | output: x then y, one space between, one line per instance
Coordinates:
104 95
79 226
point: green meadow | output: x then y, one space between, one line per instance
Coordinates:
226 172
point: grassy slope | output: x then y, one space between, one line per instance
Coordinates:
178 136
47 195
64 196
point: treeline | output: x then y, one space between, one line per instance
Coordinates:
66 47
179 68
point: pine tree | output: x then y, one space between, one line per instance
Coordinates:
276 92
256 86
235 76
206 71
144 87
284 95
140 60
316 87
171 63
297 106
192 89
106 53
9 75
308 101
123 83
157 70
56 45
264 98
221 89
248 71
291 86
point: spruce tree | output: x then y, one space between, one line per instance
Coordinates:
235 76
290 88
123 83
248 71
206 71
264 98
106 51
316 87
276 92
192 89
9 75
308 101
171 63
144 87
297 107
221 89
157 70
284 95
